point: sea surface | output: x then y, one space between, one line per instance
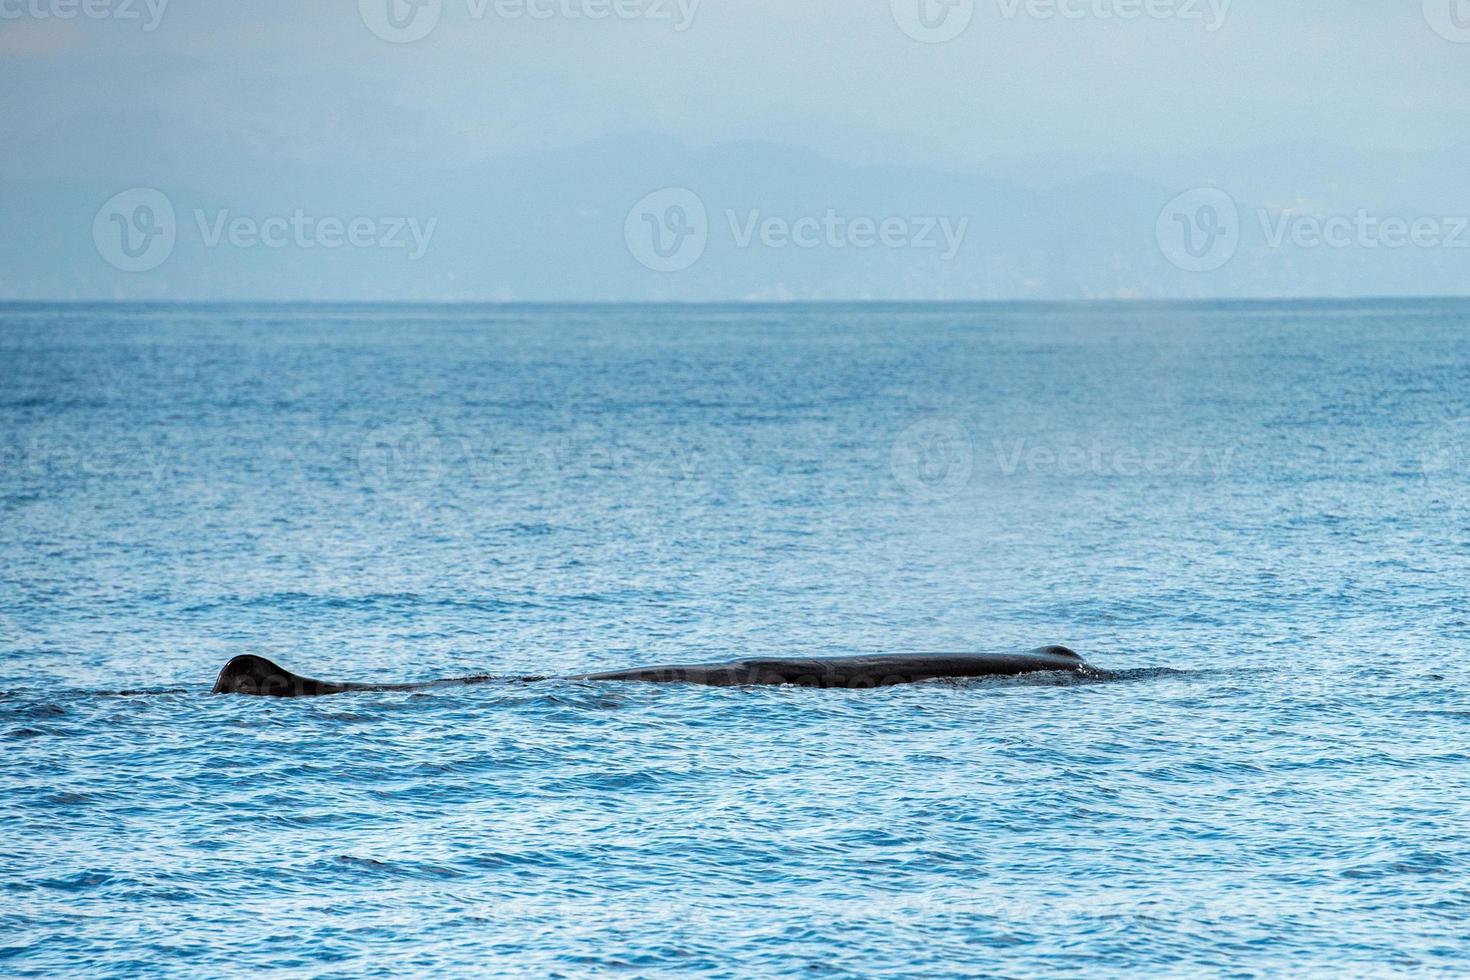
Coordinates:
1259 512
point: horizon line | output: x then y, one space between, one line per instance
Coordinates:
748 304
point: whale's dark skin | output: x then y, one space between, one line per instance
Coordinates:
257 676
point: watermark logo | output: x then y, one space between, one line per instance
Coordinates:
1445 460
408 457
1199 231
668 230
933 460
1450 19
135 231
678 13
406 21
838 231
306 231
1096 458
1211 14
148 12
400 21
933 21
1362 229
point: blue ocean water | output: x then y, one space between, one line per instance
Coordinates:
1271 500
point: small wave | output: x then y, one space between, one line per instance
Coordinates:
1065 678
391 601
50 694
1151 673
597 694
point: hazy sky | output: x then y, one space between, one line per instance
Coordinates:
1332 105
1058 82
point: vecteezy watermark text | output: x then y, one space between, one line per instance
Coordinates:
678 13
1362 229
1210 13
302 230
406 21
1095 458
668 230
148 12
833 230
935 459
1200 230
137 230
938 21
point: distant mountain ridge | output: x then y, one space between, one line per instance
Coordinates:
555 225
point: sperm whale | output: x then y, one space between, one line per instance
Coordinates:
252 675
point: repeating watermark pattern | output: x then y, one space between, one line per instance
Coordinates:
1096 458
401 21
425 475
10 629
1445 460
303 230
933 460
1211 14
1450 19
406 21
1363 229
940 21
136 230
392 457
1200 230
933 21
147 13
430 472
410 457
834 230
669 230
52 455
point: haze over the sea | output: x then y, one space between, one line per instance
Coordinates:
501 149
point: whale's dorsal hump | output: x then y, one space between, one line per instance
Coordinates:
1061 652
250 674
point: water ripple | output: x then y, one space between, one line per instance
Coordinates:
1270 778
